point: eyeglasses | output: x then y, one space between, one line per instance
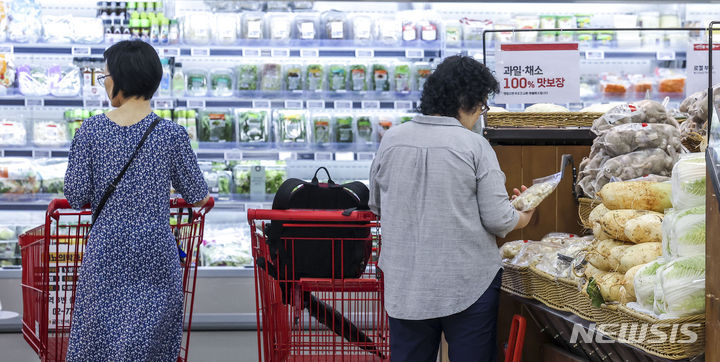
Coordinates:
101 79
485 110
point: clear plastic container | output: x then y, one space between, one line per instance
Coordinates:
343 133
65 81
197 28
279 26
253 25
315 77
453 33
33 80
402 79
365 129
385 122
335 24
421 72
221 82
527 22
306 26
197 83
380 78
387 30
362 28
293 77
271 78
322 130
247 77
50 133
216 126
253 125
290 127
225 28
358 77
548 21
13 132
337 77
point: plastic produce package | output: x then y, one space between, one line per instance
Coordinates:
197 28
535 194
247 77
644 283
321 129
57 29
335 24
306 26
546 108
365 129
689 181
630 137
634 165
197 83
358 77
314 77
65 81
686 232
218 181
279 26
402 78
380 78
337 78
387 30
343 128
52 175
224 30
253 125
683 286
7 72
645 111
216 127
18 176
253 25
87 30
272 78
12 132
362 28
510 249
33 80
532 252
274 177
50 133
293 77
221 82
291 127
24 25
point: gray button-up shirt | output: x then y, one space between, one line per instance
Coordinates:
441 198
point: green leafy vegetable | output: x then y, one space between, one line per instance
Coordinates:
593 291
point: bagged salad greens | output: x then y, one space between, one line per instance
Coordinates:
18 176
253 125
337 78
275 175
358 77
402 78
343 129
380 78
293 77
271 77
197 83
216 127
221 81
535 194
322 129
247 77
422 72
290 126
364 129
314 77
52 175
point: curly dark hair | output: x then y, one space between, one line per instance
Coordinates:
458 83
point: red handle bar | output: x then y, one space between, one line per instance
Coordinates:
309 215
176 203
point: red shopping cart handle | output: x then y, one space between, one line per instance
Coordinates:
64 204
309 215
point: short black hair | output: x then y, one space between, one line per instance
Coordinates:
135 68
458 83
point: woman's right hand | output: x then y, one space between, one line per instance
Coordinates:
525 216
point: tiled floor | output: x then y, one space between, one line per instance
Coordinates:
224 346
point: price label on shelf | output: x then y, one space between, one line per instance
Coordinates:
200 52
665 55
41 153
293 104
594 54
414 53
403 105
323 156
171 52
233 155
78 50
309 53
282 52
34 102
164 104
364 53
365 156
697 68
343 104
538 73
284 156
92 103
315 104
344 156
251 52
196 103
261 104
7 48
370 104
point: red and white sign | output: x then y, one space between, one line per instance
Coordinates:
697 67
538 73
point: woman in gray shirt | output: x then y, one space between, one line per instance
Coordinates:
441 196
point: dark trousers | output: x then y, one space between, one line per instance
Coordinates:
471 334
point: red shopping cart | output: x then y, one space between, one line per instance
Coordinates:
318 319
51 255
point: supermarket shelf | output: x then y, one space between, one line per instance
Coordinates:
263 48
49 101
300 100
539 136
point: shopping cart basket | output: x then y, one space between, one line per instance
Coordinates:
318 319
51 255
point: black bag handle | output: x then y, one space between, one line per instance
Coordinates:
113 185
361 191
315 178
282 196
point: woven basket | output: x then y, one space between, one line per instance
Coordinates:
563 294
516 280
539 120
585 207
612 326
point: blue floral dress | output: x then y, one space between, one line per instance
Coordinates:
128 304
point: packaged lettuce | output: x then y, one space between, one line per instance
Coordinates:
358 77
321 128
216 127
686 234
380 78
343 129
422 72
247 77
253 125
314 77
271 77
364 129
197 83
218 181
683 286
384 124
293 77
290 126
221 81
337 78
402 78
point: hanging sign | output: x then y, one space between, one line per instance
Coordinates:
697 67
538 73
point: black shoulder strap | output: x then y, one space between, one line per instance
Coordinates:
282 196
361 191
111 188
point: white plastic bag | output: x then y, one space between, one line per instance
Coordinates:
688 181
